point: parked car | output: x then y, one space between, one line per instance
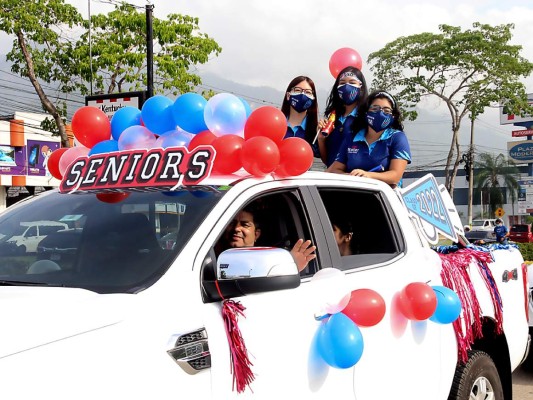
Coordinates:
477 236
33 232
60 247
521 233
483 224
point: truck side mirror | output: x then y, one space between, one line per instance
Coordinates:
249 270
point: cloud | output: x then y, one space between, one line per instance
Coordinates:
268 42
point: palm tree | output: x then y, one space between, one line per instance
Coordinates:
490 170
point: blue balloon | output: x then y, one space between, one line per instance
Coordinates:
105 146
188 112
176 138
136 137
157 116
246 107
224 114
448 305
340 342
124 118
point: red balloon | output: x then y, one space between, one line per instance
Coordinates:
343 58
204 137
112 197
296 157
260 156
228 158
90 125
366 307
417 301
266 121
53 162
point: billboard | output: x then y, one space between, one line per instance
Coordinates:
522 133
515 119
521 152
31 159
111 103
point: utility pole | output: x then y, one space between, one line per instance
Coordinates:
90 45
470 162
149 52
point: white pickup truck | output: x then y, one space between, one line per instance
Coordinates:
128 304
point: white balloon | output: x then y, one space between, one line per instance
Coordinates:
332 292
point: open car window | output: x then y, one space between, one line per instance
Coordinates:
282 221
375 233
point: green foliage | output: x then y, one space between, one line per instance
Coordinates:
48 48
119 51
527 250
41 28
467 70
490 170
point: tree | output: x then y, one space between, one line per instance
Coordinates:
44 52
490 170
119 51
467 70
41 50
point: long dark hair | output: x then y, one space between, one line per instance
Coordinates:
334 101
312 112
360 121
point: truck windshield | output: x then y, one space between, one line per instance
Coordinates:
120 247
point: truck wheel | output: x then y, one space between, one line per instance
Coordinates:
477 379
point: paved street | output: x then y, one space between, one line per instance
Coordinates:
523 384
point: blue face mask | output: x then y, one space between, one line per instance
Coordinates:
378 120
300 102
348 93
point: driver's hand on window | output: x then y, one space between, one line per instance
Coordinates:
303 252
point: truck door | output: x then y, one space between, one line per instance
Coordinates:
279 327
400 356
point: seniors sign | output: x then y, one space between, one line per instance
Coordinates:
166 169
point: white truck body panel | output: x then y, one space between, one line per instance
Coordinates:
75 343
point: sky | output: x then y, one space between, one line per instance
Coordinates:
266 43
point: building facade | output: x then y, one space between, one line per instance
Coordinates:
24 152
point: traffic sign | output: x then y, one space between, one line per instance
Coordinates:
499 212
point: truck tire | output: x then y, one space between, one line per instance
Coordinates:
477 379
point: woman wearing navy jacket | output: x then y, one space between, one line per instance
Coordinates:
300 107
348 92
379 148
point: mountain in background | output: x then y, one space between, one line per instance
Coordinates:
429 135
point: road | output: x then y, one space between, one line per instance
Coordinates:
523 384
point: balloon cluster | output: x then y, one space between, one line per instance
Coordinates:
418 301
242 138
339 340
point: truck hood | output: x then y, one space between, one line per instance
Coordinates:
35 316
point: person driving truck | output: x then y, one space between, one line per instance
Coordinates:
245 229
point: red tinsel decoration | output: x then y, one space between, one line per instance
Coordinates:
526 294
240 363
456 277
